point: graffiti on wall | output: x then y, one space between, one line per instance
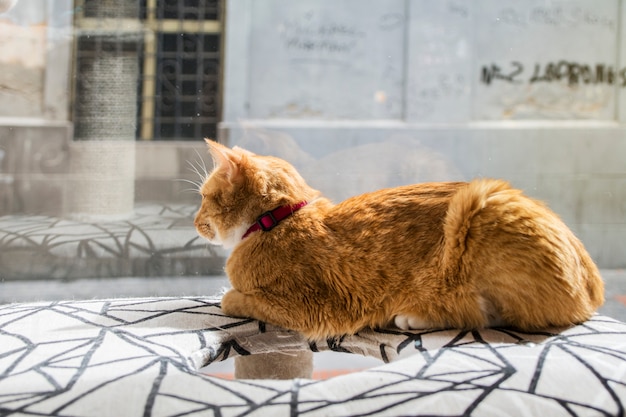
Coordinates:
573 73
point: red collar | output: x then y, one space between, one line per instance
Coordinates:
270 219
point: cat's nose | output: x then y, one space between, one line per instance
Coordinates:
198 218
199 223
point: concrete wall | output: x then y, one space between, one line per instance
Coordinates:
35 51
367 94
35 55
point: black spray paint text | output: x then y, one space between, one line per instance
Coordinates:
572 73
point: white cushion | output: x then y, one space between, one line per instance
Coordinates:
126 357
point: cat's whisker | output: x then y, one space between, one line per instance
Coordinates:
196 170
203 166
196 184
189 190
199 166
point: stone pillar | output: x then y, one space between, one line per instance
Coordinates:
105 109
102 176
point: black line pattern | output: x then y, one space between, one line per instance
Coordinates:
142 357
157 240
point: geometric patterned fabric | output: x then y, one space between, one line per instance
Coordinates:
156 240
128 357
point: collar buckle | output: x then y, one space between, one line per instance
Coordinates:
267 221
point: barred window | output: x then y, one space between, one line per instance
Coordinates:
175 48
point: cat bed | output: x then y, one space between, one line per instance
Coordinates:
153 357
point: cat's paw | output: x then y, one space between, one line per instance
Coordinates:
234 303
410 322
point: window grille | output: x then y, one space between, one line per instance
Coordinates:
172 47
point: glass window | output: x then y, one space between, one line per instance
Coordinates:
104 105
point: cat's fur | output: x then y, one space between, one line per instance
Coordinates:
434 255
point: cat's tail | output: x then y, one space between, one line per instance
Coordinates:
464 205
520 254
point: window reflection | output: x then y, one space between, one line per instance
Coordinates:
104 104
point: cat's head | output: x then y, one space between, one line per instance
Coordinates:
241 187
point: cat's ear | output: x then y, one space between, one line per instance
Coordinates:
242 151
226 161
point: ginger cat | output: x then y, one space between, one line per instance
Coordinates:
434 255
